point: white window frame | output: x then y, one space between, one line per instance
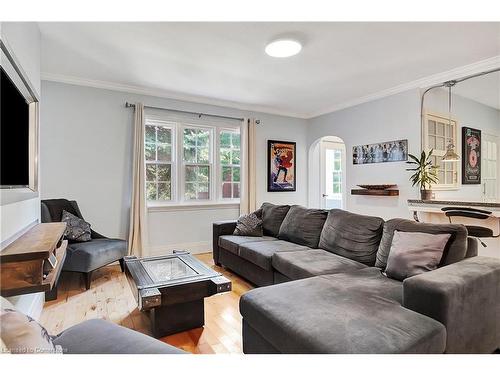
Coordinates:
173 158
220 166
439 153
178 199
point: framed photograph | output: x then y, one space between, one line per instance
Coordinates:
281 166
471 156
380 152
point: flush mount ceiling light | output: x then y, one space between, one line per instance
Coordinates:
283 48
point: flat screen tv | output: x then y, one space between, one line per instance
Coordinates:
14 135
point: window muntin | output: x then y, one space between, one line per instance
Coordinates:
197 160
230 163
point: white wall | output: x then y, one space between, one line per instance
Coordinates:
86 152
467 113
391 118
24 40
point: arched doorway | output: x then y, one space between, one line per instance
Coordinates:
327 180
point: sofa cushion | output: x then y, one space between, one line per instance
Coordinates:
353 236
88 256
414 253
353 312
232 243
455 249
261 253
272 217
97 336
299 265
303 226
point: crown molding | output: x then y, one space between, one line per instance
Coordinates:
141 90
477 67
463 71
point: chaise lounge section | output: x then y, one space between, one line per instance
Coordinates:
334 297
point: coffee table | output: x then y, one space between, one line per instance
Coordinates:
172 288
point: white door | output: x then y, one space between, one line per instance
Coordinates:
332 175
489 167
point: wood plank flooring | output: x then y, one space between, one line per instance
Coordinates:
110 298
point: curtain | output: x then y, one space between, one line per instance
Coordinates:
248 189
138 235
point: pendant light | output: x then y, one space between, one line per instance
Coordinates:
450 155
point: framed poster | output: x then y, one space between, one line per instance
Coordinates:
471 156
281 166
380 152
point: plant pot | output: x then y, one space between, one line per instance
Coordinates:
425 195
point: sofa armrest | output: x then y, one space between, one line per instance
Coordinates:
221 228
465 297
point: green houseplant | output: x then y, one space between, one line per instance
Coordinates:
425 173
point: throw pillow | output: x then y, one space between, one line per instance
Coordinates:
413 253
455 250
22 335
76 229
249 225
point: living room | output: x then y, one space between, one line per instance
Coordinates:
246 188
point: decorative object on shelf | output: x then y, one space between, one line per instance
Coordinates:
378 187
450 155
425 173
471 151
380 152
281 166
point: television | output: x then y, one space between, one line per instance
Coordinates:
14 134
18 127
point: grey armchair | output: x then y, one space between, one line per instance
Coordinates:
84 257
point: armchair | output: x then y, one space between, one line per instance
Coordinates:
84 257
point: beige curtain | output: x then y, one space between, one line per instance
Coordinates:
248 168
138 235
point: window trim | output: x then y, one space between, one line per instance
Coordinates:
178 199
425 136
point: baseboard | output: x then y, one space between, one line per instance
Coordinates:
192 247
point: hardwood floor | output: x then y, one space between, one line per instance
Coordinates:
110 298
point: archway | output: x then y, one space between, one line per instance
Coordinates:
327 169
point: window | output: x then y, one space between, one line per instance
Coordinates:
337 172
230 163
203 168
197 161
158 156
438 133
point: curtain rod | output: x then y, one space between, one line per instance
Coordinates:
131 105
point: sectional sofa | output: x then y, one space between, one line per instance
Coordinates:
323 288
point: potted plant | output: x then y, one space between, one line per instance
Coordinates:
425 173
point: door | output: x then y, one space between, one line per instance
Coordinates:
332 175
489 167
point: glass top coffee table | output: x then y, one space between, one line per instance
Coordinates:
172 289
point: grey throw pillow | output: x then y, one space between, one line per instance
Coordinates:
303 226
454 252
413 253
249 225
76 229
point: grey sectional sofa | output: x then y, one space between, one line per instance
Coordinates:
323 289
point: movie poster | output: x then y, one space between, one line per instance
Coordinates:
281 166
471 156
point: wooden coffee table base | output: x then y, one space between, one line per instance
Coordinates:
170 319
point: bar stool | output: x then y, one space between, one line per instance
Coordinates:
474 213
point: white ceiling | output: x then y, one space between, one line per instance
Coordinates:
339 62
